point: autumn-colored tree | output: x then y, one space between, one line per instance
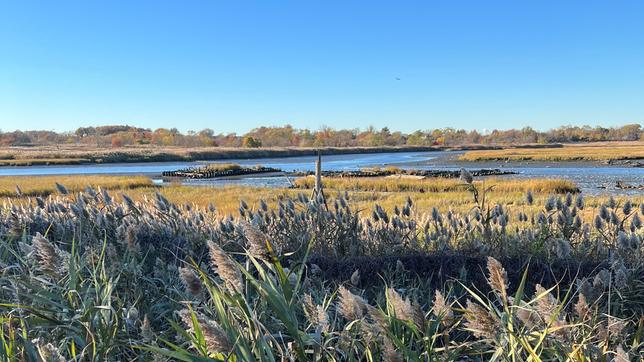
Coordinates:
251 142
117 142
288 136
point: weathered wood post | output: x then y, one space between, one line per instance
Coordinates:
318 189
318 174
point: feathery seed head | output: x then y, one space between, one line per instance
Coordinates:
546 305
190 281
599 223
603 213
355 277
466 176
315 314
442 309
226 268
146 329
636 222
50 258
350 306
404 309
216 339
480 322
61 189
581 307
550 204
627 208
389 351
497 277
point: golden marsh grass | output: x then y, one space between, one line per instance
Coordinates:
364 193
46 185
438 184
604 151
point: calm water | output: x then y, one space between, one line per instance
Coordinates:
591 179
303 163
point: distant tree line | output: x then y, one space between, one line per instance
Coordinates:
287 136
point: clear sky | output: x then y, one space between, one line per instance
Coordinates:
235 65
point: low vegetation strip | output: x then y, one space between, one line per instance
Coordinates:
215 170
43 161
392 171
228 198
31 186
439 184
600 152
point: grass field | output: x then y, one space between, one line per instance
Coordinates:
43 161
436 184
365 193
603 151
27 186
376 276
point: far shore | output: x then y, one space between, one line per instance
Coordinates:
83 154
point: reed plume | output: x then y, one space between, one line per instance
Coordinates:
545 304
50 258
216 339
191 282
404 309
259 244
480 322
442 309
226 268
497 277
581 307
389 352
350 306
315 314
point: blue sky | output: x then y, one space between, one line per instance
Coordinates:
235 65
